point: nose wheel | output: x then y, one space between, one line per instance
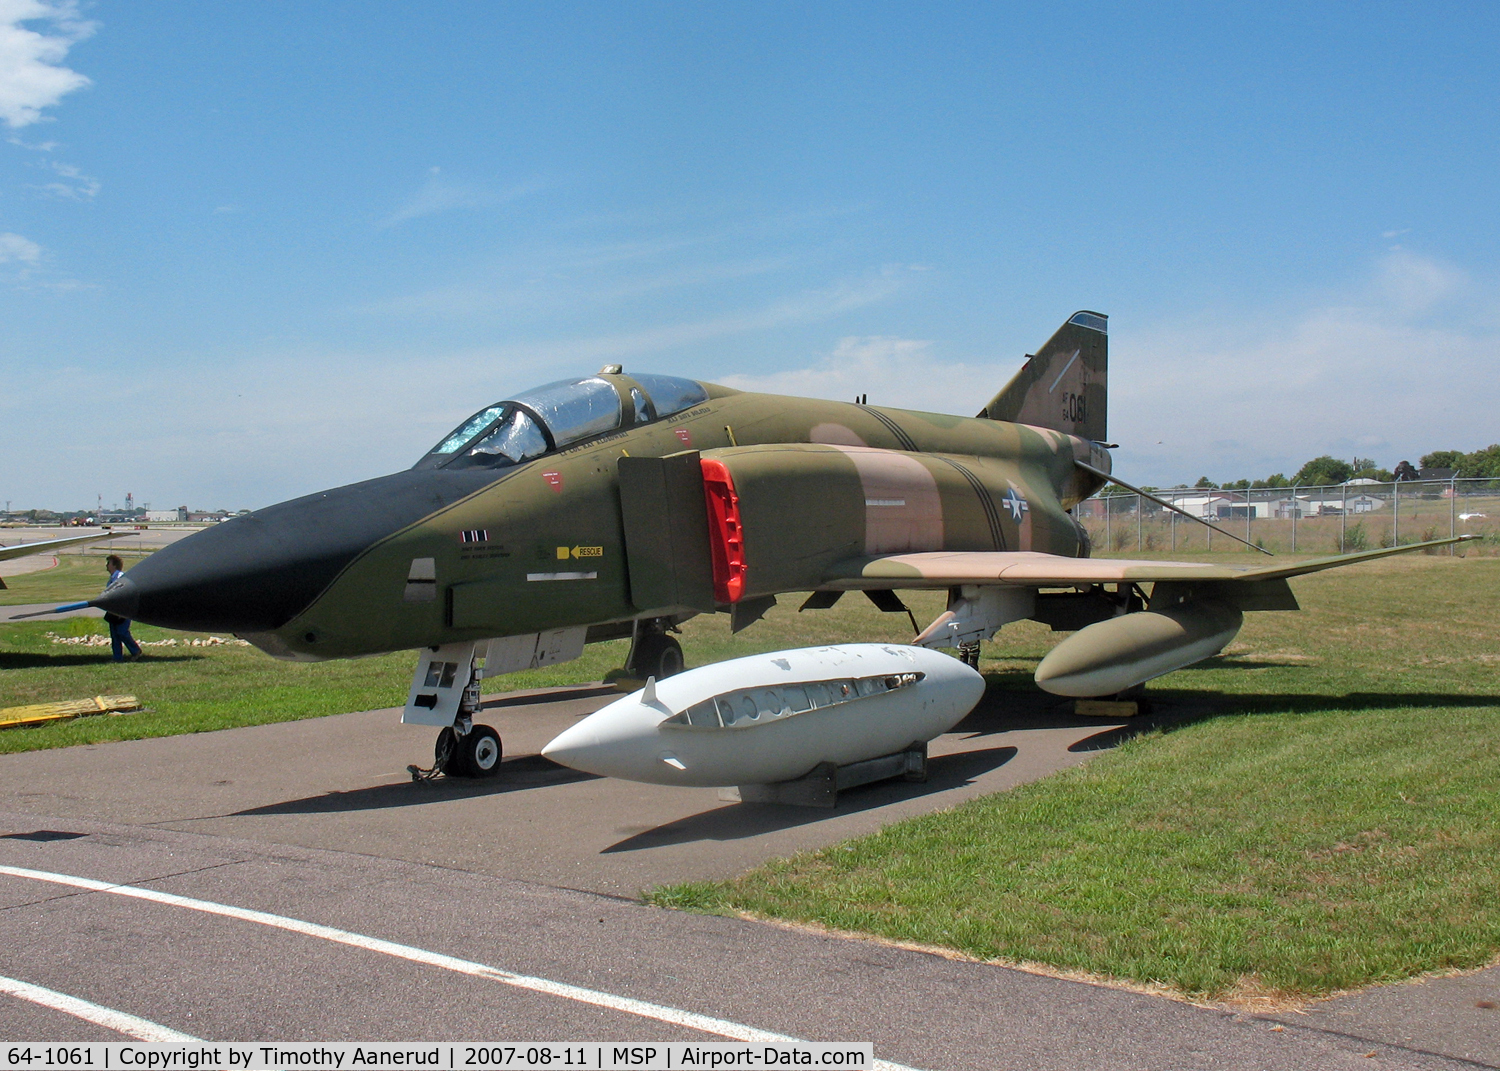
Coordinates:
475 754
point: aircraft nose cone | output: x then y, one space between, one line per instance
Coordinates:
121 598
256 572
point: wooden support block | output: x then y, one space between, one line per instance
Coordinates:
1108 708
42 713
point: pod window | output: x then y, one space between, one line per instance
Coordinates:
746 707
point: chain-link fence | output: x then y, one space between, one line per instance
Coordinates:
1359 515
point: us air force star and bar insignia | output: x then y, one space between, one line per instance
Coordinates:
1016 504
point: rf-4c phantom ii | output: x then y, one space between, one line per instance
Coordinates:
619 505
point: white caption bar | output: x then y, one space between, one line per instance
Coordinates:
449 1056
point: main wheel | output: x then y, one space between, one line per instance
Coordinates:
657 655
479 753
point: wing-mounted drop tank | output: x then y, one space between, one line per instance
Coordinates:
1110 656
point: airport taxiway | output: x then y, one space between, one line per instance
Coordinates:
291 882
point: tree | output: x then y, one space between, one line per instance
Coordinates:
1203 481
1323 470
1443 459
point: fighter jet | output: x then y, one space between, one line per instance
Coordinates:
618 505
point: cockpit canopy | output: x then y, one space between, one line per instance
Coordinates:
559 414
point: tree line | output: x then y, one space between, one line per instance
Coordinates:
1325 470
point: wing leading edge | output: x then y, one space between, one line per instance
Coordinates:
22 550
945 569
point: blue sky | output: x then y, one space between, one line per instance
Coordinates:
248 251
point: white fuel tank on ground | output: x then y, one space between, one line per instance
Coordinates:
1109 656
773 717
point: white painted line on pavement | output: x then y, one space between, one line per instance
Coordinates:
121 1022
644 1009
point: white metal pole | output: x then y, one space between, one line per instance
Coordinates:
1452 509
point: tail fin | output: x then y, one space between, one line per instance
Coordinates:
1063 386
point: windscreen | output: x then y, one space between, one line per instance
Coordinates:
508 433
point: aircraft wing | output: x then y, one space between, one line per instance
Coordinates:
23 550
944 569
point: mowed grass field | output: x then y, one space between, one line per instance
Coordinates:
1333 822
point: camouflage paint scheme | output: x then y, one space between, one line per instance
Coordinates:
569 500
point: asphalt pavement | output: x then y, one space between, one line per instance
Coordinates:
507 909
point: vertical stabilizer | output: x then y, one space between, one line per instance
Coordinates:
1063 387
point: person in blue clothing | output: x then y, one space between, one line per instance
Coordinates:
120 639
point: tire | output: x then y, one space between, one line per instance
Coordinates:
479 753
445 752
657 655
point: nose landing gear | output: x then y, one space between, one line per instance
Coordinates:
475 753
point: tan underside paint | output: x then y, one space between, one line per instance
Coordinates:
941 569
903 509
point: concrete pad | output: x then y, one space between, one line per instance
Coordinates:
342 783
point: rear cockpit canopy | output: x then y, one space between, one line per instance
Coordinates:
560 414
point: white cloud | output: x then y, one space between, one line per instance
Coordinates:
439 194
1402 363
15 248
71 183
900 372
31 73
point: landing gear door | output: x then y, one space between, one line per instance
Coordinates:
437 688
511 654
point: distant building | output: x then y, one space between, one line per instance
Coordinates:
167 516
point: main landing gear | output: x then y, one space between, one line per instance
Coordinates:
654 653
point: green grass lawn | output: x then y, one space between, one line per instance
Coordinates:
75 577
1335 824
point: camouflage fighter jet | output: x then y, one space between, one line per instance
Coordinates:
618 505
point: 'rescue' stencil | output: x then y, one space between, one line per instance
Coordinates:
554 480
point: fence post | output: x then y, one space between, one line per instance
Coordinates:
1452 508
1108 546
1249 512
1137 524
1296 509
1396 513
1343 518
